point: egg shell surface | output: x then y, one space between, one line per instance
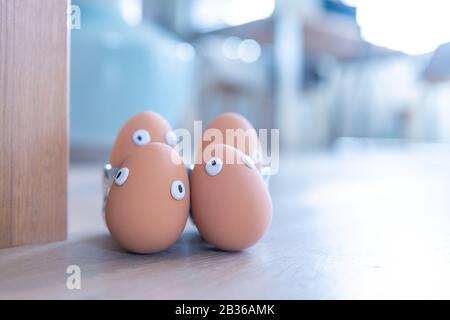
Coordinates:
247 140
153 123
232 210
142 215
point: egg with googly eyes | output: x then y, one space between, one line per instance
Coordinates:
236 131
139 131
148 204
231 205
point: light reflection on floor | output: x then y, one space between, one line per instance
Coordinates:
390 218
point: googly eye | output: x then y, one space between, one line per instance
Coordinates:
214 167
142 137
171 138
248 161
122 177
178 190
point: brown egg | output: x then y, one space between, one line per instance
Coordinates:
231 205
139 131
245 140
148 204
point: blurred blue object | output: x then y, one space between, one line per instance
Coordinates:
118 70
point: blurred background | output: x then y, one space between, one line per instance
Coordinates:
360 92
326 72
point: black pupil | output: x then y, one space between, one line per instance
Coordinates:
180 188
119 174
214 163
139 138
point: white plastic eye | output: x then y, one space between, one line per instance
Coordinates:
248 161
142 137
214 167
178 190
122 176
171 138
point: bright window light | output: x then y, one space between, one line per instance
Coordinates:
214 14
237 12
132 11
411 26
350 3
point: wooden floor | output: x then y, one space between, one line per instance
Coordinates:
372 224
